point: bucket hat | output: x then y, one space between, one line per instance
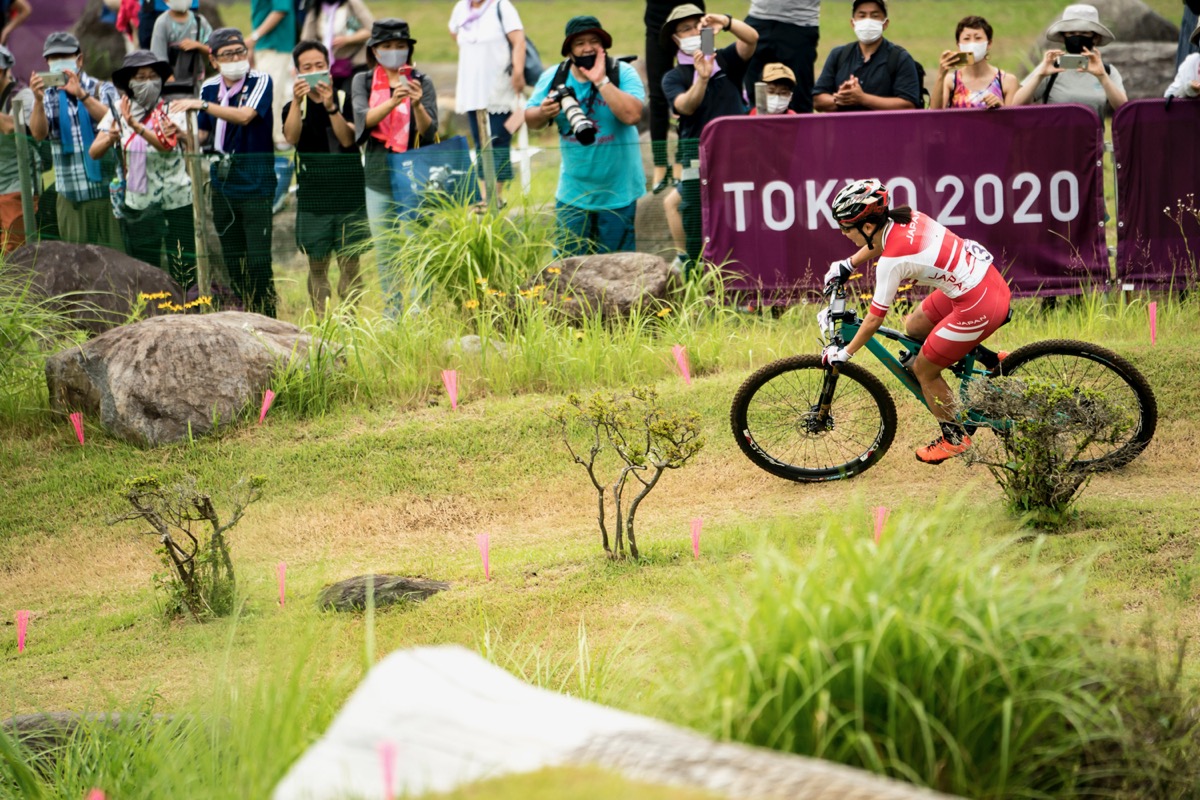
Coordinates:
135 61
577 26
685 11
1080 17
60 43
389 30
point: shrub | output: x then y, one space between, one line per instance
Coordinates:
646 440
199 578
943 662
1036 460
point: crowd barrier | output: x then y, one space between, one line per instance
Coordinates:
1157 160
1025 182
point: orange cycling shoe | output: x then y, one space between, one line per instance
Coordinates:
942 449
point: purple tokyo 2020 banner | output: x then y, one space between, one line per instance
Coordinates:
1158 183
1024 182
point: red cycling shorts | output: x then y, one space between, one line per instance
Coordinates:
962 323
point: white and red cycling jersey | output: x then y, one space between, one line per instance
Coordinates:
924 251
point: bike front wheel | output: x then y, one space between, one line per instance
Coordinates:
1082 365
776 421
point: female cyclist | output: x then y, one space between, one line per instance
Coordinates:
969 303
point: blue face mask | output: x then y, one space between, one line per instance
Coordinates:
61 64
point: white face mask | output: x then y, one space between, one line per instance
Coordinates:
778 103
868 30
689 44
977 49
61 64
392 59
179 5
235 70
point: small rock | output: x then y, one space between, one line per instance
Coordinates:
351 594
472 345
614 284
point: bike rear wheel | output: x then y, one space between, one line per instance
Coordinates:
1083 365
775 420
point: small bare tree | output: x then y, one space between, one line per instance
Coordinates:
200 576
646 439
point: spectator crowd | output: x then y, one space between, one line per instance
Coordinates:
324 88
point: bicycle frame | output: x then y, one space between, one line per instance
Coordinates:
967 370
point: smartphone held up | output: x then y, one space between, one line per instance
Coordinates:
707 41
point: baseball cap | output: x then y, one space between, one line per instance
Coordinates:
60 43
778 72
881 3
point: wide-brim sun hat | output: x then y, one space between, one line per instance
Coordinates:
1080 17
135 61
679 12
390 29
577 26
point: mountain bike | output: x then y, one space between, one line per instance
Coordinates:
800 420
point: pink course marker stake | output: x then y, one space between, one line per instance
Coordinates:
95 794
1153 323
387 760
485 544
77 424
268 398
281 574
696 523
22 627
450 380
681 361
881 515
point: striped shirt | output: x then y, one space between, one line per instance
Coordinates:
252 172
69 176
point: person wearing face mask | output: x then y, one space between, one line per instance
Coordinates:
68 116
979 84
788 32
598 184
1095 84
179 37
700 89
781 85
871 74
395 110
158 192
12 215
235 122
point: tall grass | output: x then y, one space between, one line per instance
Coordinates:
936 658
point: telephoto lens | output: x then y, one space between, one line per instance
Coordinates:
583 129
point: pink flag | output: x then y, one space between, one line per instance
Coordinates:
1153 323
95 794
387 759
881 515
450 379
696 523
22 626
281 574
268 398
681 361
485 543
77 423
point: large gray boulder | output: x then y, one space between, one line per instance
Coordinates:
94 286
159 380
612 284
386 590
1147 68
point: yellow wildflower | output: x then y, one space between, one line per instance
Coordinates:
864 297
501 294
554 270
664 312
578 334
204 300
481 281
493 291
855 277
568 299
541 302
471 304
541 287
166 304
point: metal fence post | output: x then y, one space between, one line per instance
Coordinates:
486 153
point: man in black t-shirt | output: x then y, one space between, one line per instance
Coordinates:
331 216
700 89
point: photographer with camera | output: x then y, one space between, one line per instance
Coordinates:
1079 75
596 101
706 84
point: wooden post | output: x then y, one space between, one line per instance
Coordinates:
487 155
196 169
24 170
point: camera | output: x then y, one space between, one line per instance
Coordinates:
581 127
